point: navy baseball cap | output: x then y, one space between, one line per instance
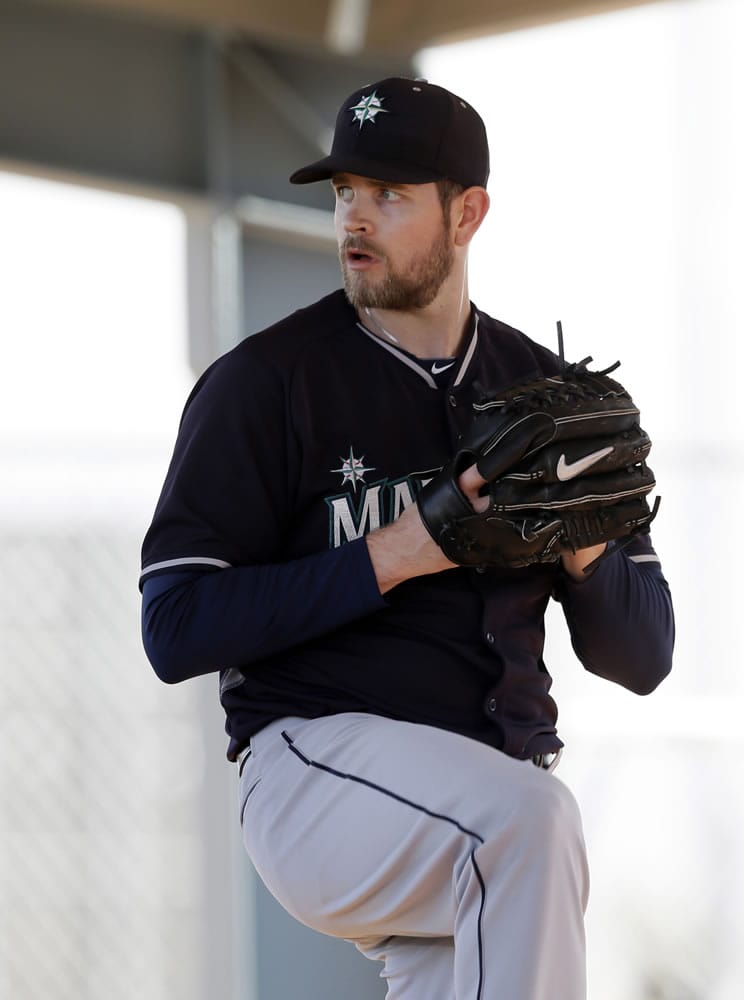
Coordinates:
406 132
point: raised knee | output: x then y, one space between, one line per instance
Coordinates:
553 810
544 811
543 835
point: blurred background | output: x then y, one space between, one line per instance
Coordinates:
146 225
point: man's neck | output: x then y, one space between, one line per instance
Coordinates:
425 333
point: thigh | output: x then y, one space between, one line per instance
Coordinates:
361 826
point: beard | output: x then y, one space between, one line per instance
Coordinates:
414 288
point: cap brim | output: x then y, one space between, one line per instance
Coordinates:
397 173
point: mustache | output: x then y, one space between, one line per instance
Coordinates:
361 245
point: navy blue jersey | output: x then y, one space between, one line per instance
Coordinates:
295 445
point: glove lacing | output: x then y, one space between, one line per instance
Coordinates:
573 384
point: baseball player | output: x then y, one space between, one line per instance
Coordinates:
389 708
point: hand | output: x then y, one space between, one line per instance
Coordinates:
471 482
574 562
405 548
564 460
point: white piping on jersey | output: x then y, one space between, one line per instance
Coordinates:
401 356
186 561
640 559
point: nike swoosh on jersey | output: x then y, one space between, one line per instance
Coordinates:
569 470
436 370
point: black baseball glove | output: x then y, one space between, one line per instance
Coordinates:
565 463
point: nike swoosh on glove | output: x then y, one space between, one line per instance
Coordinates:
564 458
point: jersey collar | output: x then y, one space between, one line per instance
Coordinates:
461 365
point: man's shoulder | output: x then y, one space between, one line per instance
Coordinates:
265 361
515 348
306 327
275 350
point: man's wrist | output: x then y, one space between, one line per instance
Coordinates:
574 563
404 549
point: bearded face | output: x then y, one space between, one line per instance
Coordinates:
410 285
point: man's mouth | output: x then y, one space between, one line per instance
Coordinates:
359 259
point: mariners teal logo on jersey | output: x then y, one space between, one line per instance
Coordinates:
378 503
368 108
353 469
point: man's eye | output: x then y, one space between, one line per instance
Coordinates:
388 195
343 192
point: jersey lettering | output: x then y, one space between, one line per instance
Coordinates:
380 503
401 498
350 521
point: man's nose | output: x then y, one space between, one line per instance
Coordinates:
355 217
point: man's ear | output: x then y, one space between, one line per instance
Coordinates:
468 211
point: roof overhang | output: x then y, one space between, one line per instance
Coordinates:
389 26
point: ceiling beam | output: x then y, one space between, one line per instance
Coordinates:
432 22
397 26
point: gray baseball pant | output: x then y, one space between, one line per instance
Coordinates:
460 868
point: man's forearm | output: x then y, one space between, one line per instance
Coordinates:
404 549
197 623
622 622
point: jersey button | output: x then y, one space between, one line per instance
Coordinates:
452 399
490 637
492 705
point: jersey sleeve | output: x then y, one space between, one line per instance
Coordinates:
198 622
621 619
226 499
219 587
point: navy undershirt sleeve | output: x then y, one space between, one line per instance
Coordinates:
621 622
195 623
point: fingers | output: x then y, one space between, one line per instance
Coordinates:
471 482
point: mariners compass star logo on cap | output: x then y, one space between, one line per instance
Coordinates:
368 108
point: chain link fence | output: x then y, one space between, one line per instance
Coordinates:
101 858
